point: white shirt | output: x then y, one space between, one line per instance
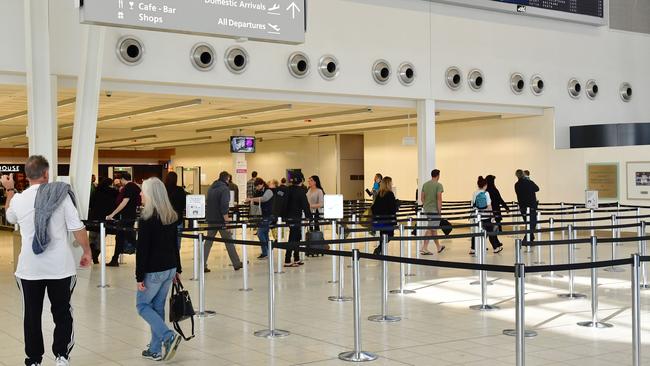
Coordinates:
57 261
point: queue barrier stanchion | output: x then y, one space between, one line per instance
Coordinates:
384 317
197 262
513 332
409 254
562 217
615 235
477 249
551 251
244 254
202 313
353 235
571 294
636 311
271 332
418 244
520 320
643 247
528 229
303 237
334 269
594 323
402 275
341 268
279 270
357 355
102 256
539 238
480 249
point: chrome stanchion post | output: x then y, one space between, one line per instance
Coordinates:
384 317
357 355
571 294
520 304
334 271
479 247
513 332
594 323
341 264
303 237
402 276
484 306
102 256
244 254
271 332
202 313
551 251
279 269
642 251
529 232
409 253
418 223
615 235
538 250
562 217
198 261
636 312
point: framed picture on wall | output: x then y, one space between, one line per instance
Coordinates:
638 180
603 177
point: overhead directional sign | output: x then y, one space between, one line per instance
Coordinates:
264 20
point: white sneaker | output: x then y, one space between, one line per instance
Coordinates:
62 361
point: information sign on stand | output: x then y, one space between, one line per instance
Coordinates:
591 200
333 206
195 206
263 20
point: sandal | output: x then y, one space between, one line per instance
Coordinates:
426 253
441 249
287 265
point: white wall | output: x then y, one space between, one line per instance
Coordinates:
314 155
499 147
432 36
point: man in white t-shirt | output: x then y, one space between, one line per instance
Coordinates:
53 270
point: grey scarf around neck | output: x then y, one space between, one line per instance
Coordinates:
48 198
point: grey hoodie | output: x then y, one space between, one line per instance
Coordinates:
48 198
217 202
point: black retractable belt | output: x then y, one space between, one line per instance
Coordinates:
180 308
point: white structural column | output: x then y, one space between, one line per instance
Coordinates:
426 110
41 85
85 119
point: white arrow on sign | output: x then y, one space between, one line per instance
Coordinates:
293 7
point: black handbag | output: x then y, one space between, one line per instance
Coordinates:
445 226
180 308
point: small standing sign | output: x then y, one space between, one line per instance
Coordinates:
333 206
195 206
591 200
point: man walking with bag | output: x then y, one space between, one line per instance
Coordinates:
217 204
46 213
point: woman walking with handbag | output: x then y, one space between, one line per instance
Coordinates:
384 210
157 265
264 197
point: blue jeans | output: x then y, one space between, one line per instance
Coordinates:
178 237
263 235
151 306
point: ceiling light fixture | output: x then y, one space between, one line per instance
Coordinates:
249 112
164 143
146 137
287 119
61 103
341 124
9 137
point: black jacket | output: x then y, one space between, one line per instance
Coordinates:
497 201
157 248
297 203
279 201
384 210
217 202
102 203
177 197
525 190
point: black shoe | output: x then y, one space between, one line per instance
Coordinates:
238 268
377 251
262 256
206 270
113 264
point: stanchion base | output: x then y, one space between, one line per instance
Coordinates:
332 281
552 275
106 286
644 287
339 299
476 283
384 318
272 333
542 262
279 272
614 269
402 292
484 307
572 296
194 279
513 333
206 314
595 325
360 356
410 275
245 289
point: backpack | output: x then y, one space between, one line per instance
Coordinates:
480 201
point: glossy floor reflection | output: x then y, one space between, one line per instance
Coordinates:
437 327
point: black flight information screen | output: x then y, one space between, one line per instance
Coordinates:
583 7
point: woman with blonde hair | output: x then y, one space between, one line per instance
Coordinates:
384 210
157 265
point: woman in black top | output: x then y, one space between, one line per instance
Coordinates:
177 197
157 264
384 210
497 202
102 203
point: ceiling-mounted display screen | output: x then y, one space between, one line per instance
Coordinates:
580 11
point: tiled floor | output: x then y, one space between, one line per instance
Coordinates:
437 328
